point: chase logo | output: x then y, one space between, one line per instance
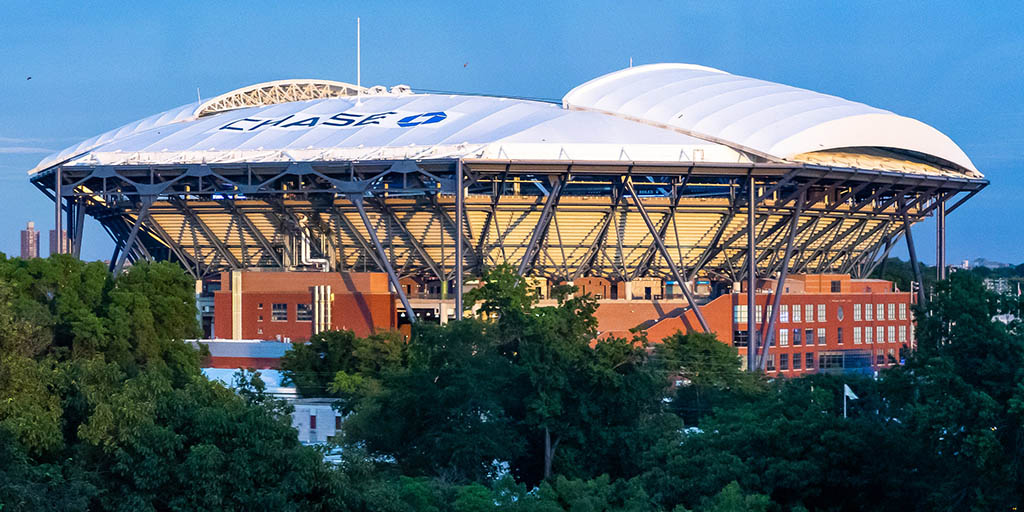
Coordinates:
339 120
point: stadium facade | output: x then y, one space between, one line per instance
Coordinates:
671 171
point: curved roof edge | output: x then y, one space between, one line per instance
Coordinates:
764 118
265 93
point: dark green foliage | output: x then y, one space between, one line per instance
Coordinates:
313 366
527 409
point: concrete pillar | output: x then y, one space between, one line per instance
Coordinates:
236 304
443 308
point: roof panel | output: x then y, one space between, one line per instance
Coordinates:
774 120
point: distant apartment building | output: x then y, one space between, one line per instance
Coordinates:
1002 285
54 249
29 242
293 306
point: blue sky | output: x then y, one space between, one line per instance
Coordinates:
98 65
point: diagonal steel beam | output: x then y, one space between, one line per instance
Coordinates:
413 241
667 257
217 244
357 200
769 335
126 249
540 231
246 223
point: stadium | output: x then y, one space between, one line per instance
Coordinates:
675 172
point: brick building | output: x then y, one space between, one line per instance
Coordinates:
292 306
826 322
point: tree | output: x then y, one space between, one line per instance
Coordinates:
709 372
312 367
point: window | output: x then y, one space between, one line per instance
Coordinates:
869 314
757 315
740 338
739 313
821 312
259 318
892 353
783 337
839 313
892 311
337 422
856 313
783 362
303 313
771 362
880 357
279 312
903 334
809 312
796 313
892 334
312 421
259 330
880 334
821 335
868 335
809 360
796 338
797 361
836 287
830 360
259 305
903 311
784 313
839 335
809 335
880 312
768 311
856 336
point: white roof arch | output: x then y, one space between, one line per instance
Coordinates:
389 126
765 118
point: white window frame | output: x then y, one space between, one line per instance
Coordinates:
903 334
821 335
809 313
784 313
797 309
856 336
856 313
880 311
892 334
903 310
892 311
869 312
821 313
869 335
783 337
879 334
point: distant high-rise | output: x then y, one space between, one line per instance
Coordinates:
29 242
53 241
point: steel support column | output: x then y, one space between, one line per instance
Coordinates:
666 256
940 240
57 209
460 193
357 200
913 260
777 300
751 275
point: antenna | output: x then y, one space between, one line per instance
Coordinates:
359 70
199 97
631 62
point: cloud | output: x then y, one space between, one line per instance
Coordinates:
24 150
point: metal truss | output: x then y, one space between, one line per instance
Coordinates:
450 219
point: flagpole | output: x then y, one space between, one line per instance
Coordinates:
844 404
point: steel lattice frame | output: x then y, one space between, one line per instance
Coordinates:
568 219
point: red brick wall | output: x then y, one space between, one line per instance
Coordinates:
362 313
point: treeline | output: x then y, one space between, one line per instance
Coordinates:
902 273
102 407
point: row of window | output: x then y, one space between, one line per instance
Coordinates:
809 312
805 361
865 335
279 312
